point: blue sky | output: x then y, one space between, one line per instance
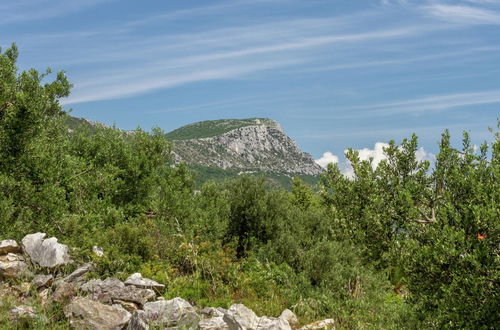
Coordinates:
334 73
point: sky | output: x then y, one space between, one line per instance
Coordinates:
336 74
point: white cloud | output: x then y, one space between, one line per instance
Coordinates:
463 14
377 154
326 159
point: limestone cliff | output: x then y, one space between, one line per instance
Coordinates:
248 145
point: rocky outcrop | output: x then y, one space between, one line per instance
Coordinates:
45 252
111 303
260 146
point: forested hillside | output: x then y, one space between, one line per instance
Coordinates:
400 246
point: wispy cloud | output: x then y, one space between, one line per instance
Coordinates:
31 10
463 14
252 49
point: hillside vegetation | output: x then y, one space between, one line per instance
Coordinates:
210 128
399 246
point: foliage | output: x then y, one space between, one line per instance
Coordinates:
399 246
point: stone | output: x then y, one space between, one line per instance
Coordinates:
129 306
272 323
23 312
240 317
44 296
290 317
41 281
214 323
88 314
64 292
175 312
133 294
12 266
213 312
139 321
98 251
9 246
137 280
323 324
77 274
46 253
97 286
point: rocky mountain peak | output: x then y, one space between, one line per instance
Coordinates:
256 144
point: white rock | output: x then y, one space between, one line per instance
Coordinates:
41 281
175 312
137 280
45 252
9 246
23 312
13 266
239 317
272 323
139 321
214 323
290 317
87 314
323 324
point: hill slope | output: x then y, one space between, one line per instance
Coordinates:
256 144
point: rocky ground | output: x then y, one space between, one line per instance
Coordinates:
32 284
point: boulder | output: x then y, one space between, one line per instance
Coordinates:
13 266
98 286
323 324
45 252
176 312
9 246
139 321
214 323
290 317
22 312
239 317
137 280
272 323
133 294
41 281
88 314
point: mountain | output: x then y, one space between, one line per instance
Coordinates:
243 145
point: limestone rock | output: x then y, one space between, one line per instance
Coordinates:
22 312
213 312
45 252
77 274
214 323
324 324
133 294
137 280
272 323
41 281
87 314
9 246
290 317
139 321
239 317
13 266
176 312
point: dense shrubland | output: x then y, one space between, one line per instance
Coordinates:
399 246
